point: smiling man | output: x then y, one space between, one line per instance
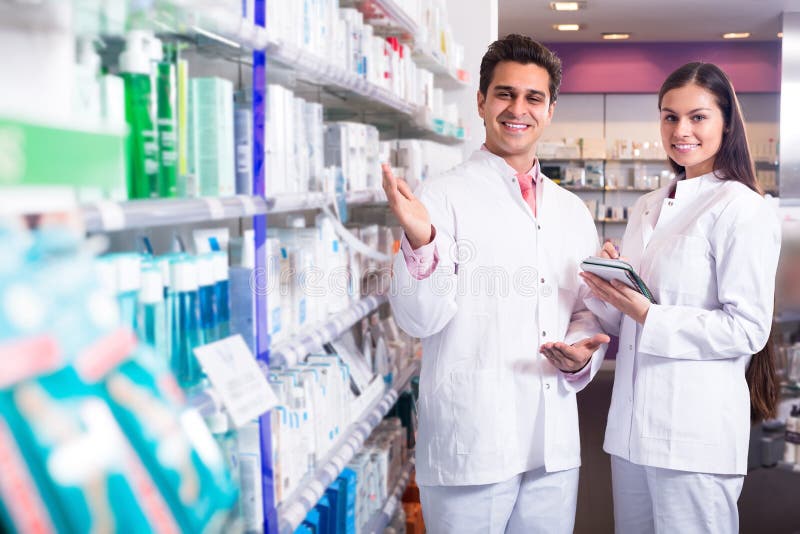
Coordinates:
487 277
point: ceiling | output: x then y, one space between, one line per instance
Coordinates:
648 20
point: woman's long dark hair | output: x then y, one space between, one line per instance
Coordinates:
733 162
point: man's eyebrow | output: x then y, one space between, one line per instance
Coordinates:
513 89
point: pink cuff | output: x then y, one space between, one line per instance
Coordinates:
574 377
422 261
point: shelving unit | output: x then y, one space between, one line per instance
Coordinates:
294 509
382 517
218 33
293 350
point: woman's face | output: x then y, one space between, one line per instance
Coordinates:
691 128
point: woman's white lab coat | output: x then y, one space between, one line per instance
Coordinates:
680 399
490 405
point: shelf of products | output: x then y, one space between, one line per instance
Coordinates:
293 350
292 511
445 77
612 221
381 518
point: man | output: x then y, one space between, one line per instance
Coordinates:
488 278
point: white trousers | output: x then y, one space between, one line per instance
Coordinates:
660 501
530 503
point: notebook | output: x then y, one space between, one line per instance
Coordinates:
609 269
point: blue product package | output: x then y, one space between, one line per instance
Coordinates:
350 480
335 496
326 515
312 521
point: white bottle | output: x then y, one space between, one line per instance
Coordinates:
790 448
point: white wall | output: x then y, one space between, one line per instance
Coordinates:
475 26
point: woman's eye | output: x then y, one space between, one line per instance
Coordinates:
698 118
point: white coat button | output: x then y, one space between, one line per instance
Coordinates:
630 347
544 333
670 203
547 386
539 226
542 280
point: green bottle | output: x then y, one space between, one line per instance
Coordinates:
166 88
134 66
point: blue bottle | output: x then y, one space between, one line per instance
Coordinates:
222 290
184 305
152 318
208 298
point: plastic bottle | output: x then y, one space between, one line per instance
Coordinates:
152 311
792 428
207 295
222 290
183 303
166 88
134 65
129 282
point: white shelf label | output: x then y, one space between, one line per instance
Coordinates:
215 208
111 215
234 373
248 204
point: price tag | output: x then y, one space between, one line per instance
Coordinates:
248 204
215 208
111 215
234 373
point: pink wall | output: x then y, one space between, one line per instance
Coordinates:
754 67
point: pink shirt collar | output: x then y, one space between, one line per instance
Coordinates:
534 171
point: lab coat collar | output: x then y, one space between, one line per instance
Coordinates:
500 165
688 188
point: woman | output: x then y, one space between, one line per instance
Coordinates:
707 246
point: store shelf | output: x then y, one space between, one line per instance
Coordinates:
108 216
380 519
388 17
788 317
294 509
359 94
435 62
294 349
345 95
612 221
579 189
786 466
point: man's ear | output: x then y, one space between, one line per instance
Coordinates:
481 103
550 110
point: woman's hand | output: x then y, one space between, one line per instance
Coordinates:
609 251
625 299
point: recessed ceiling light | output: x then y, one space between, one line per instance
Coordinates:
567 6
734 35
567 27
616 36
780 35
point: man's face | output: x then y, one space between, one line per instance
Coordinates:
516 108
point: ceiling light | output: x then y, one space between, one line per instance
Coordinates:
734 35
567 27
616 36
567 6
780 35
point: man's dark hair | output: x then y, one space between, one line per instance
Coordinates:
520 49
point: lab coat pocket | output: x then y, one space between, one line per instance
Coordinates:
682 403
476 409
685 266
